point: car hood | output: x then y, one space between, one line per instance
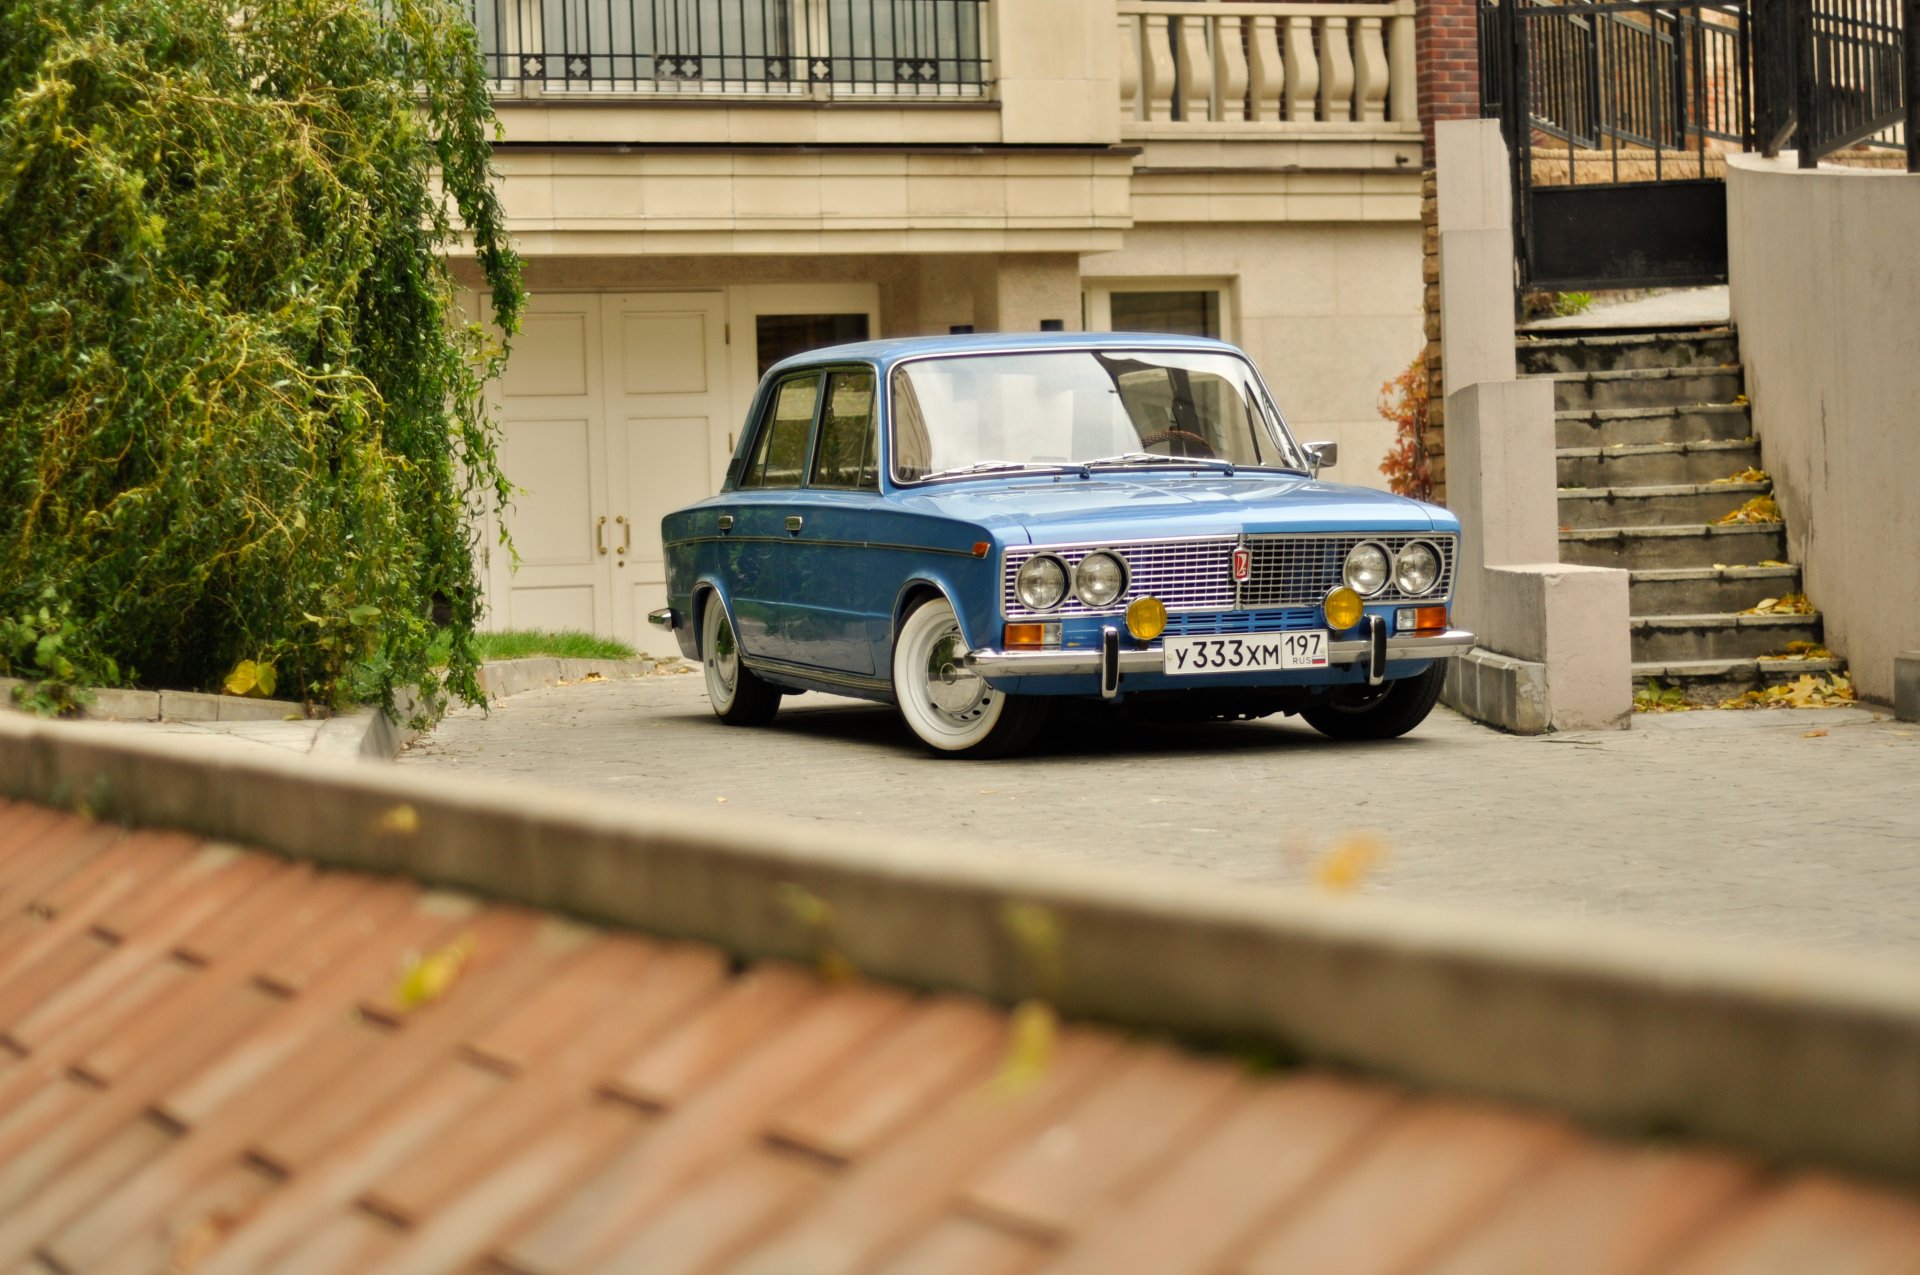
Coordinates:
1138 507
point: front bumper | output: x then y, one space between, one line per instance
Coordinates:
1374 649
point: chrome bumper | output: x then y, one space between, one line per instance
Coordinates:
664 617
990 663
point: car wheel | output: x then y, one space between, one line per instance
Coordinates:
949 707
738 696
1383 712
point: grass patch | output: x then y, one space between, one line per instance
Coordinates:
521 644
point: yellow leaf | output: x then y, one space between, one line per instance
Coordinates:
1032 1031
1813 734
1035 930
1344 867
816 914
243 678
1740 400
264 680
401 821
425 979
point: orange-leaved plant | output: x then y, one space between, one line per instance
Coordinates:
1403 400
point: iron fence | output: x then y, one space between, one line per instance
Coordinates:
1838 73
804 48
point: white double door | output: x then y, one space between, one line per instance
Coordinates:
614 409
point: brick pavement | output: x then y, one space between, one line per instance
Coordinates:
1728 825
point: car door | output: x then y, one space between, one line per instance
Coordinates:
755 539
834 612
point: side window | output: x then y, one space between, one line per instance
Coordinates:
848 454
779 455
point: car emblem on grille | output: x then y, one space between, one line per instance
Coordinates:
1242 564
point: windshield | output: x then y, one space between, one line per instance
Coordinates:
1072 408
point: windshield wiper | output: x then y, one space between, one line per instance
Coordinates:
995 467
1151 458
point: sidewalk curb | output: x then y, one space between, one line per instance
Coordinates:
359 733
1800 1056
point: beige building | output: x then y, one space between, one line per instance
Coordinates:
701 187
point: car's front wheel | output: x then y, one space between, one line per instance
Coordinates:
948 706
1383 712
739 698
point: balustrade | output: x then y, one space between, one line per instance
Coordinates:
1227 65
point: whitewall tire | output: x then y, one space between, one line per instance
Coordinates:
739 698
949 707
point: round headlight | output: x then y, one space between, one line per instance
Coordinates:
1100 579
1367 569
1041 583
1342 607
1416 569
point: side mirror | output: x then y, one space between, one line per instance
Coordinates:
1323 456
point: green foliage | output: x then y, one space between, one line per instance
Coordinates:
240 417
520 644
39 644
1568 304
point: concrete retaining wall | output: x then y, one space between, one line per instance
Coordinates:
1826 293
1800 1056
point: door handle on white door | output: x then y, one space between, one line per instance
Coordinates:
600 534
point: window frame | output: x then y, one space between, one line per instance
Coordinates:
874 466
763 427
1096 299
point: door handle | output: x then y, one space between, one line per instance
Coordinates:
626 534
600 534
726 522
795 522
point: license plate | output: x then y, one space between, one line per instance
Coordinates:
1260 653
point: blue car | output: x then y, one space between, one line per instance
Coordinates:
978 528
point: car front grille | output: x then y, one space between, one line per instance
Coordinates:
1197 574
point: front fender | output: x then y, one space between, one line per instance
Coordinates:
972 625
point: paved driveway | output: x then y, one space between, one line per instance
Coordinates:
1735 825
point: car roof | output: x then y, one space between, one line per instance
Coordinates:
894 350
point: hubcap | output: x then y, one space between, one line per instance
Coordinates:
953 688
723 661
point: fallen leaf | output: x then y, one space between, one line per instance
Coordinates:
425 979
1032 1030
1813 734
1748 475
400 821
1760 509
1345 866
721 800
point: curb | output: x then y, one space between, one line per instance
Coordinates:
363 733
1799 1056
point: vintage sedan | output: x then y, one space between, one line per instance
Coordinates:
977 529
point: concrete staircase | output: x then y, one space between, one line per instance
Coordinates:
1646 422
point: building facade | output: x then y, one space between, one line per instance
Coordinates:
701 187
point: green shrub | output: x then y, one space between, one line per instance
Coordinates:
240 418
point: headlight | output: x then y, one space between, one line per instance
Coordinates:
1100 579
1367 569
1041 583
1416 569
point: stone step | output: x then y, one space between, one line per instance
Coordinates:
1704 590
1619 352
1678 505
1629 426
1654 548
1719 637
1708 682
1645 387
1655 464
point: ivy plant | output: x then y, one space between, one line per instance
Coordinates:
241 410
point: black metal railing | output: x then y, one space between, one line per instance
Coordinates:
804 48
1837 73
1642 88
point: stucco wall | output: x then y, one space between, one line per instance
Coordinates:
1329 310
1826 293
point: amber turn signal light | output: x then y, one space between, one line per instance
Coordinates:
1028 635
1430 620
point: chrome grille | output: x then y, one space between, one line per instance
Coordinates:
1186 575
1298 570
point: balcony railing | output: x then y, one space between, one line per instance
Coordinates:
1227 65
763 48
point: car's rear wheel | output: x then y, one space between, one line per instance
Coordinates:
1384 712
738 696
948 706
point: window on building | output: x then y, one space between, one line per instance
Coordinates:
778 336
779 455
1195 313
